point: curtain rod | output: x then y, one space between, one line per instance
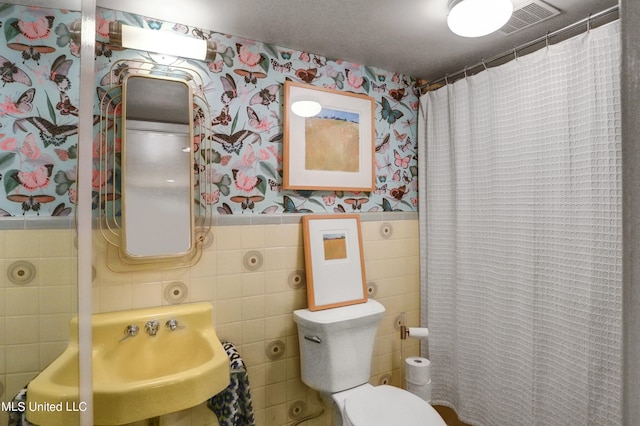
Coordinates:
514 52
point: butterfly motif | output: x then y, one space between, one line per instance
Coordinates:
30 202
61 210
23 105
10 73
398 193
290 206
338 80
356 203
245 183
59 72
229 89
233 143
247 57
354 80
256 122
67 154
304 56
307 75
64 38
102 26
39 178
153 24
50 133
197 32
408 144
399 137
31 52
247 202
65 107
250 76
30 148
224 118
277 66
384 145
286 55
224 209
401 161
105 49
216 66
319 62
266 95
275 186
381 189
180 28
397 94
211 197
389 114
380 89
329 200
118 72
38 29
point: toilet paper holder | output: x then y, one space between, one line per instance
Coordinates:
418 332
405 332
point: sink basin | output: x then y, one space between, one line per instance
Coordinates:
137 378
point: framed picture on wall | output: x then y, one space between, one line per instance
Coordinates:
333 149
334 261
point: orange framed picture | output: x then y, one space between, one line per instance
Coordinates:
334 261
333 149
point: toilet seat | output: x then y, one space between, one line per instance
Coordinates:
388 405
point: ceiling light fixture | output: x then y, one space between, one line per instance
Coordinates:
306 108
477 18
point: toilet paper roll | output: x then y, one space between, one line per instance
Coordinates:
423 391
417 370
419 332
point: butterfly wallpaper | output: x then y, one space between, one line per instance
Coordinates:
244 87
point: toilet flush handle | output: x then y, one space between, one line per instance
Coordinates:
314 339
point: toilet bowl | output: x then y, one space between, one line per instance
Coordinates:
384 405
336 350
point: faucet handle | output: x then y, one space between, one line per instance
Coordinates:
173 324
151 327
130 331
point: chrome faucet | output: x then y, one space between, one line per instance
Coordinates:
130 331
151 327
172 324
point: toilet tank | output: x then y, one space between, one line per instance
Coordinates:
336 345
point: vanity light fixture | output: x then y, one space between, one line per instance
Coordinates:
164 42
477 18
306 108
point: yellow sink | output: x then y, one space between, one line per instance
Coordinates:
140 377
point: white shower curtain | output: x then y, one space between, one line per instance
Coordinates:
520 212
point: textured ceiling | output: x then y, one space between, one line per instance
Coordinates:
408 36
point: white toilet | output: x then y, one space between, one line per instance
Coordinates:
336 349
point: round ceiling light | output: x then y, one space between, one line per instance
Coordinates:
306 108
476 18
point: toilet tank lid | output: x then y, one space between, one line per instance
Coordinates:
332 315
